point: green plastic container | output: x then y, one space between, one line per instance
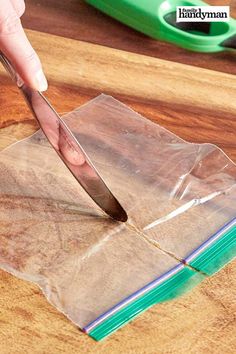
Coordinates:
156 18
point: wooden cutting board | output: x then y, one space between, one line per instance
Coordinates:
195 103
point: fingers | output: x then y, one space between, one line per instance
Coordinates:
19 7
17 48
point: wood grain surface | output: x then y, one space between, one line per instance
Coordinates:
195 103
83 22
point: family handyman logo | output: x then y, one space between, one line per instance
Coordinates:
202 14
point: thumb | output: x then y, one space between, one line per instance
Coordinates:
15 45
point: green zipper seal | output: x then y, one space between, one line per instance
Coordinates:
209 261
219 254
171 288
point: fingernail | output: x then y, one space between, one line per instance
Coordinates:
41 81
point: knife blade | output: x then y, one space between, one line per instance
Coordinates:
68 148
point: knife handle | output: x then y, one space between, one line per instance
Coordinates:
9 68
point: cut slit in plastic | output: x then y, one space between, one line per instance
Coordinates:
181 202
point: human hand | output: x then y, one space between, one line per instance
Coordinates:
17 48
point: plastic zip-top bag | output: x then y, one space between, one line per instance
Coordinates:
181 202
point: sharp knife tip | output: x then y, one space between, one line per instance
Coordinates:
119 215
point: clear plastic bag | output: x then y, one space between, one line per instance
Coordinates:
181 202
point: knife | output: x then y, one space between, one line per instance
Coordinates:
67 147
